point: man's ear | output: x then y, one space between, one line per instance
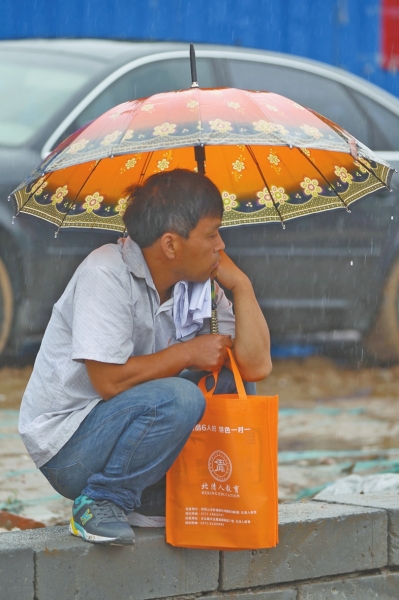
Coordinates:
169 244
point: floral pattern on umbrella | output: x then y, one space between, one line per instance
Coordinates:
271 159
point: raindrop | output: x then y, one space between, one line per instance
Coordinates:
13 221
391 217
56 234
9 198
43 174
348 210
351 263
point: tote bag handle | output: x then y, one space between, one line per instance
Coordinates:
242 394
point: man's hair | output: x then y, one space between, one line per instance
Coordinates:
173 201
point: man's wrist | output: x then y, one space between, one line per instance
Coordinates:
242 283
186 354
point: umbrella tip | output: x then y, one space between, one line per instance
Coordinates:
193 67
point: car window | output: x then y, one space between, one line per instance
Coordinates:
33 87
384 122
319 93
152 78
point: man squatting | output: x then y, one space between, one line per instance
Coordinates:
111 401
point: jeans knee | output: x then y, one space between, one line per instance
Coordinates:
200 403
190 401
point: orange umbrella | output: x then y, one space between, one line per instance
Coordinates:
271 159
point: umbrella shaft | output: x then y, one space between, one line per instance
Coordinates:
199 153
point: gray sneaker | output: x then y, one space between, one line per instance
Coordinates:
100 522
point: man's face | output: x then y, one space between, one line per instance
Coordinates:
199 255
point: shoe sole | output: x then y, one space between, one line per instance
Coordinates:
97 539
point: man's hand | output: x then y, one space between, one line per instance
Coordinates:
208 352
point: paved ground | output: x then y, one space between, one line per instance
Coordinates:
333 421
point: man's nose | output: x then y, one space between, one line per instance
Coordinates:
220 245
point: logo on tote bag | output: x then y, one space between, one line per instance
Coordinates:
220 466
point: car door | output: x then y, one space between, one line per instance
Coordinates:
318 274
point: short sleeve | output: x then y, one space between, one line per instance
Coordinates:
102 322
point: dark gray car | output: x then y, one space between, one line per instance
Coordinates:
330 276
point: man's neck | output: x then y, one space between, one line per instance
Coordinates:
162 277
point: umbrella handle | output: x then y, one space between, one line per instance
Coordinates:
214 315
193 67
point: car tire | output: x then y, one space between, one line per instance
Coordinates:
382 343
6 305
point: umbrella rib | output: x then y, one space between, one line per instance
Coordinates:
250 151
145 167
76 196
268 116
325 179
372 173
343 135
31 196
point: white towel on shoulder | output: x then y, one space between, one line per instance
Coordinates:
192 303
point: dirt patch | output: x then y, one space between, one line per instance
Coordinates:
317 379
13 382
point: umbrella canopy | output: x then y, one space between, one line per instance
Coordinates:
271 159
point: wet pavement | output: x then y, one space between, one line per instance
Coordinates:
333 421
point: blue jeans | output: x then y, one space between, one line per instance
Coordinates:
125 445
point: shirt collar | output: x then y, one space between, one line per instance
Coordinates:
134 259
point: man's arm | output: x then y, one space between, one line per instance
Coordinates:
205 352
252 339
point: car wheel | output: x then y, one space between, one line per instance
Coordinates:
6 305
382 342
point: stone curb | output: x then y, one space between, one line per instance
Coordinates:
281 594
384 586
388 501
316 540
50 564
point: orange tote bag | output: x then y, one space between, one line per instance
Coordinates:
221 492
